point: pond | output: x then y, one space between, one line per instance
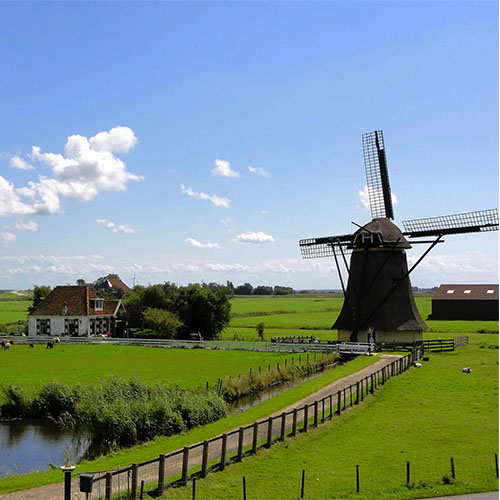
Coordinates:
29 445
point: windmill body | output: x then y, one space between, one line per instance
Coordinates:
378 299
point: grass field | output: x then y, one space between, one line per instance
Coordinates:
153 448
425 417
187 368
13 310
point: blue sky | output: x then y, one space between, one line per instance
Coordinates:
200 141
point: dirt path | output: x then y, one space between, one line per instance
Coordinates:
173 465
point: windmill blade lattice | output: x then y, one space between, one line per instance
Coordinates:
327 246
377 176
469 222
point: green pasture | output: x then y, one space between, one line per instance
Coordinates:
14 310
153 448
187 368
425 417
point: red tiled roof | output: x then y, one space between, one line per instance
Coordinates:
77 300
466 292
120 284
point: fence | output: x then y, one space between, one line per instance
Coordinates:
434 345
348 348
177 467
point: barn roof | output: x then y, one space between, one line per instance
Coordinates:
466 292
77 301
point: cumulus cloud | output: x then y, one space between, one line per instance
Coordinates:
87 167
258 171
223 169
258 237
198 244
19 163
216 200
116 228
7 238
26 226
364 197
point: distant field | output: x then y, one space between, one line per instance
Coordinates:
16 295
187 368
13 310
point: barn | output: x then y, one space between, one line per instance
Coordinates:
465 302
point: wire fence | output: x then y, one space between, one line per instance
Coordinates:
178 467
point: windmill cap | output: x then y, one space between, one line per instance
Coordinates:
389 231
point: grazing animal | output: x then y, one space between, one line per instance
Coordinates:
50 345
32 346
417 365
466 370
5 345
57 340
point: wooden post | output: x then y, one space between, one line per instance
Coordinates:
339 405
331 404
303 483
315 414
133 487
345 399
255 437
240 444
223 452
283 426
161 472
452 462
357 478
141 495
244 488
185 462
194 488
372 388
357 393
407 473
268 368
300 359
204 459
306 417
294 422
496 464
109 486
362 388
269 432
307 358
350 390
323 410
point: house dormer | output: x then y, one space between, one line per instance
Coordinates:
97 304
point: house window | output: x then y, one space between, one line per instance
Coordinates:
450 291
43 326
71 327
490 291
98 304
467 291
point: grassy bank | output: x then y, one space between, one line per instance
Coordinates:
164 445
425 417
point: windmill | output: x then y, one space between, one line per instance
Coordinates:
378 298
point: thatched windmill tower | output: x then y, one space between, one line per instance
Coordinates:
378 300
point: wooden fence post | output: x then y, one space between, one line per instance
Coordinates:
407 473
133 487
331 404
339 401
161 472
204 459
357 393
306 417
372 388
283 426
315 414
185 462
323 410
223 452
452 463
244 488
255 437
109 486
496 464
240 444
294 422
357 478
269 432
303 483
194 489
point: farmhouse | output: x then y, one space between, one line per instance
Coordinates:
465 302
73 311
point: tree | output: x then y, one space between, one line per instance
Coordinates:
260 330
165 323
262 290
245 289
80 282
283 290
202 309
39 293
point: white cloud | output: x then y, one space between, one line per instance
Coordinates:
116 228
26 226
364 197
226 221
216 200
198 244
258 237
264 212
19 163
223 169
7 237
259 171
88 167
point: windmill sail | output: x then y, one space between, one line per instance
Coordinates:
326 246
469 222
377 175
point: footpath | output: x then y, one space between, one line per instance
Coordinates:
56 491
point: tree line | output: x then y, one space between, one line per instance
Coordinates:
248 289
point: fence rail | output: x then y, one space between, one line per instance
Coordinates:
177 467
347 347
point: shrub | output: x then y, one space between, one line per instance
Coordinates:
17 404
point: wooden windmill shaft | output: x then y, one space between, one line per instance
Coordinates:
379 295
